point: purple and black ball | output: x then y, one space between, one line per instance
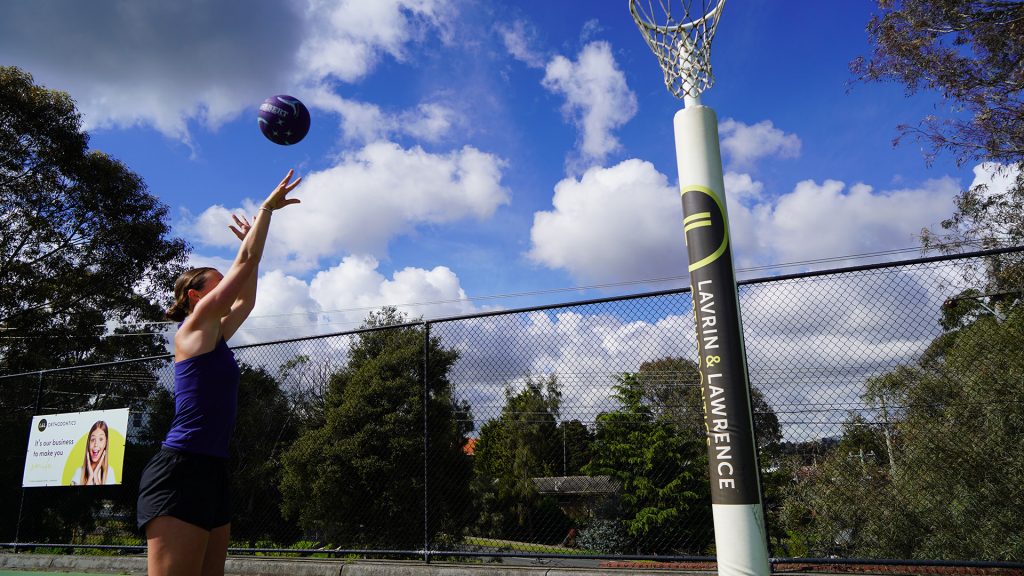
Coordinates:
283 120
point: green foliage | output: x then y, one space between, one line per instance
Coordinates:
82 243
659 466
604 536
523 443
357 480
969 53
671 387
941 478
264 428
577 447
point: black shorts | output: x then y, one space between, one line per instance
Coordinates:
192 487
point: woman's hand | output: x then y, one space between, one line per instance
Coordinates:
243 226
91 475
278 198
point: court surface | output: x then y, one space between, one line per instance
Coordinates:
35 573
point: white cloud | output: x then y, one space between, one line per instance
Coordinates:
623 223
519 39
363 122
613 224
742 187
586 350
356 286
827 219
997 178
346 39
339 299
597 97
168 64
370 196
746 144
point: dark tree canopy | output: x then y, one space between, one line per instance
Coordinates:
522 444
662 469
358 479
82 242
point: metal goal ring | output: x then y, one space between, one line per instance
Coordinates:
681 27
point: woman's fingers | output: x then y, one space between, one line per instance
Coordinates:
243 226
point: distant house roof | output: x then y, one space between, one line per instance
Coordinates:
580 485
469 447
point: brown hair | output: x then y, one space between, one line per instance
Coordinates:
193 279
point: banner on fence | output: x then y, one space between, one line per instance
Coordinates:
76 449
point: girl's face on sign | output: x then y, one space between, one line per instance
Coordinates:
97 444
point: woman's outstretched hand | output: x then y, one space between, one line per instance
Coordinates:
243 226
278 198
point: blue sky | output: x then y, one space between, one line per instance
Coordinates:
465 149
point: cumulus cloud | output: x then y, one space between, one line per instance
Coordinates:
742 187
745 144
162 64
339 299
346 39
168 64
829 219
586 350
597 99
612 224
623 222
357 286
368 197
811 344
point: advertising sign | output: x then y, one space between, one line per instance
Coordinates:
76 449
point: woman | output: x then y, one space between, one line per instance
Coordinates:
184 498
95 470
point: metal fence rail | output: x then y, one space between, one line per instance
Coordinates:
887 402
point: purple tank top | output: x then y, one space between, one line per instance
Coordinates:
205 402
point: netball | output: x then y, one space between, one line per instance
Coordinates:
283 119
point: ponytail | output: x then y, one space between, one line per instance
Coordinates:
178 312
193 279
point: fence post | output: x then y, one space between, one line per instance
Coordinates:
21 505
426 441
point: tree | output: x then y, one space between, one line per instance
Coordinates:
661 470
955 408
358 480
671 387
939 477
577 447
969 52
307 382
523 443
82 243
264 428
81 240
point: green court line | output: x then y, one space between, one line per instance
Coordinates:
37 573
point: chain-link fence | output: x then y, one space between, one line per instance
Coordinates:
887 403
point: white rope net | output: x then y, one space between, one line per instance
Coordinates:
679 33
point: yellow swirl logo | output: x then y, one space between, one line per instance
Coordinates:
705 226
